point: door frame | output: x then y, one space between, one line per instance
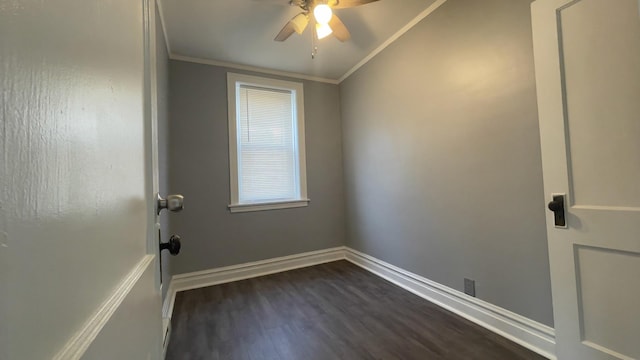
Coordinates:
151 145
151 131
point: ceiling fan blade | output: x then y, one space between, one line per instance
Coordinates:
300 22
339 30
281 2
341 4
286 31
297 24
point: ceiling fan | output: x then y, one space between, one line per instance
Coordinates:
327 22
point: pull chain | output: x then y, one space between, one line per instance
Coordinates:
314 42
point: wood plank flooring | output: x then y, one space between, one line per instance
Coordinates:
330 311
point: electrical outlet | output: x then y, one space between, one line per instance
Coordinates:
470 287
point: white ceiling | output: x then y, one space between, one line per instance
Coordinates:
242 32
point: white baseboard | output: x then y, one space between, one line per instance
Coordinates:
228 274
517 328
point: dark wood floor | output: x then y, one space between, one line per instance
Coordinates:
329 311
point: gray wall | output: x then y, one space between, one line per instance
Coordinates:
199 158
162 70
442 155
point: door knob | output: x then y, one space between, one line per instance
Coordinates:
173 245
557 206
172 203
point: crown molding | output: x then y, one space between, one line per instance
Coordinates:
393 38
231 65
164 27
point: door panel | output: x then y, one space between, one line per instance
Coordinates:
606 309
587 56
111 344
73 186
602 120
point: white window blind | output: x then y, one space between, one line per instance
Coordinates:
267 168
267 149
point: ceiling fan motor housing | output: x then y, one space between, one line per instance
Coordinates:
327 24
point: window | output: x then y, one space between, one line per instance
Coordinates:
266 143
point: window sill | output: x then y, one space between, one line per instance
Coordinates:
234 208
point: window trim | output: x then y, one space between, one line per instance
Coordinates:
234 81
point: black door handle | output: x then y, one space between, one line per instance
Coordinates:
557 206
173 245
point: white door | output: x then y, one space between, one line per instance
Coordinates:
78 263
587 57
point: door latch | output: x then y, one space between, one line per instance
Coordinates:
557 206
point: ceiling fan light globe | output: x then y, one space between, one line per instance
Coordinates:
322 13
323 30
